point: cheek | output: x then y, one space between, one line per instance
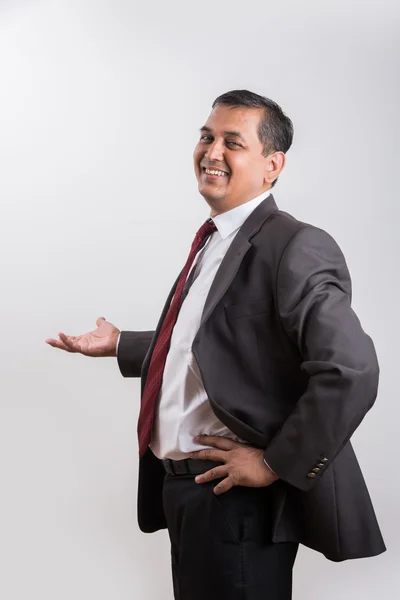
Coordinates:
241 169
197 154
251 172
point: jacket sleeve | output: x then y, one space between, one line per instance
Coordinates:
132 349
338 357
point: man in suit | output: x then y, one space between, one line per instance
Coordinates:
253 382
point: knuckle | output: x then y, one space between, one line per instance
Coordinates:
234 477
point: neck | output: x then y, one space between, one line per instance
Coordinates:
223 205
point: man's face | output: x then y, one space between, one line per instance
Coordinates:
230 148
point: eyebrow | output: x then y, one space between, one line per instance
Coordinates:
235 133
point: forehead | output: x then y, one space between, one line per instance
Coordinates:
243 120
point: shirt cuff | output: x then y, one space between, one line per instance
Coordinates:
270 467
116 350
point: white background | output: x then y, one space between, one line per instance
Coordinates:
100 105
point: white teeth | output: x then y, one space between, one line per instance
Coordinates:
214 172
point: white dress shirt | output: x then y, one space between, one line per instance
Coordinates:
183 410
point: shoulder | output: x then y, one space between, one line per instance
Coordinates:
296 249
294 234
310 257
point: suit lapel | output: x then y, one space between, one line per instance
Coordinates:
235 254
226 272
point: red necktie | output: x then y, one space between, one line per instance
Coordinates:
159 356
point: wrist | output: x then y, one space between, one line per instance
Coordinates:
114 346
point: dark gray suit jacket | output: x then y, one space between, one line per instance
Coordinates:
286 366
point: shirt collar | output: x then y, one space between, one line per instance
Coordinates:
231 220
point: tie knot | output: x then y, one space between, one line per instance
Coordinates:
206 229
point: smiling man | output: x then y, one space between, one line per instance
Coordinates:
253 381
236 159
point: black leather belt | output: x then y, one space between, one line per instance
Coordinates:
188 466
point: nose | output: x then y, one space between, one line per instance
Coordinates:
215 151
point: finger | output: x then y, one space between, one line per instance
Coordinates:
209 454
67 339
70 341
217 441
223 486
215 473
57 344
100 321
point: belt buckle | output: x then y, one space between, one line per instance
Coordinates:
177 467
181 467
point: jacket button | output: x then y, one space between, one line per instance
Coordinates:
310 475
316 470
320 465
324 460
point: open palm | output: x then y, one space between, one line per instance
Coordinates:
99 342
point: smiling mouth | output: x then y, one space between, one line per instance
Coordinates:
214 172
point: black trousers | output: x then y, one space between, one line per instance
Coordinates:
221 545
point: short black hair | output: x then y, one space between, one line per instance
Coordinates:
275 130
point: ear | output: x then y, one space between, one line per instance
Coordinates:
275 164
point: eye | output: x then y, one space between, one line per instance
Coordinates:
232 143
205 138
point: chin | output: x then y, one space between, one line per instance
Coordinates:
213 197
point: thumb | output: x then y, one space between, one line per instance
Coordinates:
100 321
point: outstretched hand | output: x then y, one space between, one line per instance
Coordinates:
244 465
99 342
